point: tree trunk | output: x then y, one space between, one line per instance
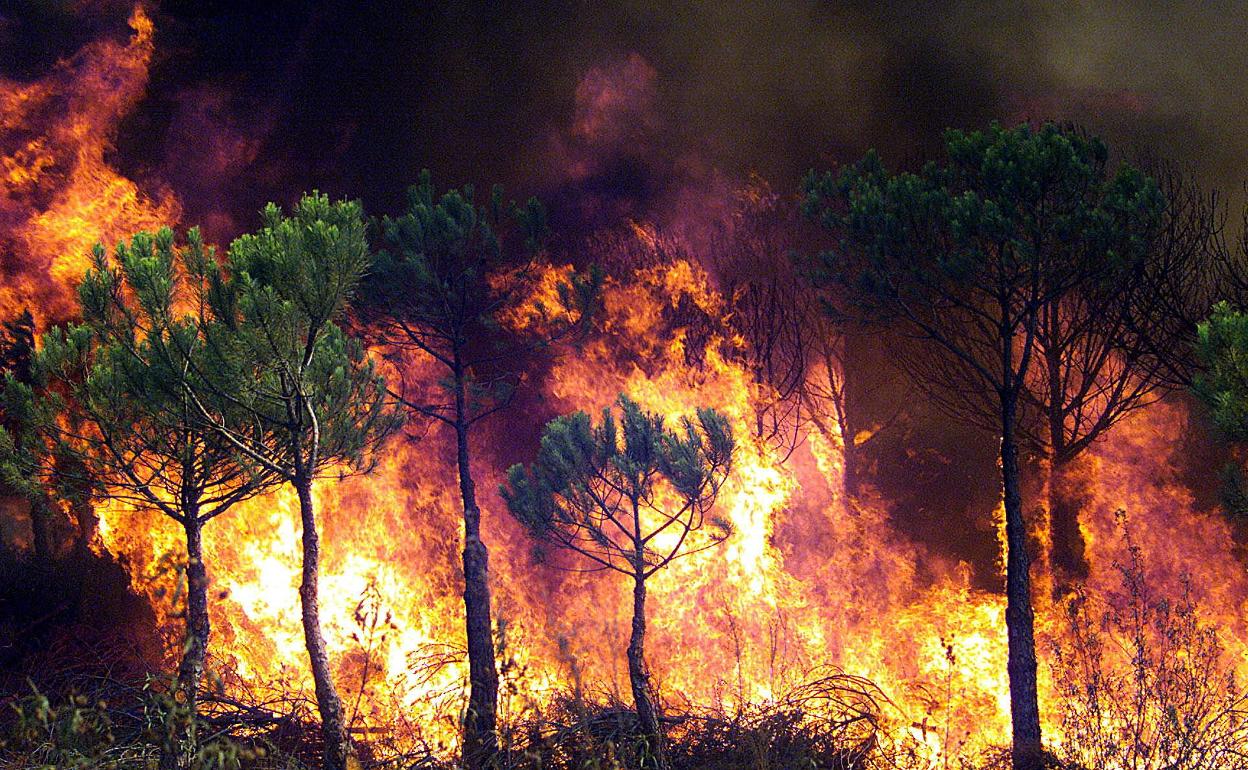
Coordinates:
639 678
1019 617
849 454
198 626
41 532
333 730
195 648
1068 494
88 522
480 724
1066 498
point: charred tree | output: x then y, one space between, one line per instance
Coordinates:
793 349
966 255
768 310
596 490
1189 269
287 389
103 414
451 284
1119 340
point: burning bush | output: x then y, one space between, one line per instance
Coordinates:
1145 683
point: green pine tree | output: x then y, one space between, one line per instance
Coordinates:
983 256
103 412
288 389
629 496
449 272
1222 382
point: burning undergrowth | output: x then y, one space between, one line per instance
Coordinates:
837 625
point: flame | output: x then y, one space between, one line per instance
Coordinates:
808 579
58 193
737 625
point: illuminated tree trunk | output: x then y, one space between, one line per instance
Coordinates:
639 677
480 727
1065 497
851 460
1019 617
198 626
849 453
333 730
84 515
194 651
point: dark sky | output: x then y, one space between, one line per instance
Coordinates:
257 100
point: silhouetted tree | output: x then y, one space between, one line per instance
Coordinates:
1190 269
793 349
17 349
628 497
103 411
770 318
1120 339
966 255
767 310
446 287
287 388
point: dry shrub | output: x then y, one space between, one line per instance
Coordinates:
1145 683
835 721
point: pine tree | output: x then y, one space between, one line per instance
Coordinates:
441 288
629 496
102 411
972 255
1222 380
288 389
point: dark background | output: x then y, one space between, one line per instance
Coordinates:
256 100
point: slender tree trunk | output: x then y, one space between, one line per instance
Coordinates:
480 724
1065 546
198 626
639 677
849 452
41 532
1019 618
333 729
1068 494
837 375
194 651
84 514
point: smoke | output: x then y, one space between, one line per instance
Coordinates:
356 98
620 111
611 111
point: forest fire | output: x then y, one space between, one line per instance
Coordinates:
821 601
61 196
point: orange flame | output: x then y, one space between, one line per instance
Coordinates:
807 580
58 193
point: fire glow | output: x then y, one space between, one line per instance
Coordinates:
809 581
